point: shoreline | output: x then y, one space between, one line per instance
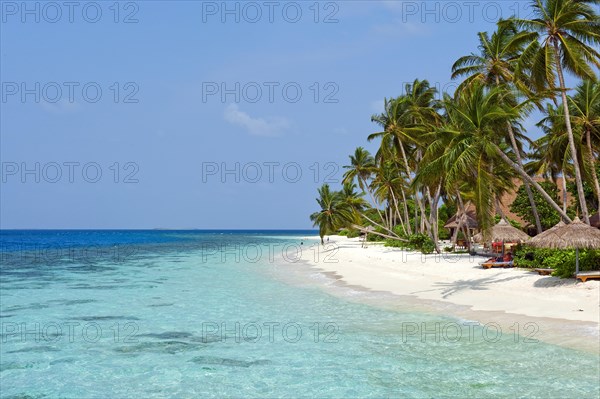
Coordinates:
552 310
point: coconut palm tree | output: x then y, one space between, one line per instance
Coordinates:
474 119
334 214
498 58
395 138
566 36
406 122
353 199
550 157
472 146
361 168
586 116
387 185
495 65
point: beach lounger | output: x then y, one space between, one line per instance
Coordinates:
583 276
488 265
543 272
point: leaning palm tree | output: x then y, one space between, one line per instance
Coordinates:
586 116
397 139
471 144
463 149
566 34
495 65
550 156
335 213
407 120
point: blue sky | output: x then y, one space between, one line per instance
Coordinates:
150 150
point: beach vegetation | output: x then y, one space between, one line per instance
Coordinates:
562 261
435 154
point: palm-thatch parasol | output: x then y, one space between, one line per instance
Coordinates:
503 231
550 231
576 235
478 237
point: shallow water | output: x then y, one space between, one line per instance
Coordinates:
189 314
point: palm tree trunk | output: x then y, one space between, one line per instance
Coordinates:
539 188
458 220
416 218
361 228
536 215
390 217
385 219
408 172
406 215
588 139
372 198
395 236
424 220
397 210
578 179
430 201
433 217
513 143
564 190
466 230
499 209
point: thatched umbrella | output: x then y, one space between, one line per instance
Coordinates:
576 235
550 231
503 231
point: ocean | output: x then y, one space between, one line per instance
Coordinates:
188 314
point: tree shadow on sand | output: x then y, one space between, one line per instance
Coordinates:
480 284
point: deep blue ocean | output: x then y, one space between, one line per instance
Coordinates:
189 314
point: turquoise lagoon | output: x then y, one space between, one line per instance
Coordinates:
187 314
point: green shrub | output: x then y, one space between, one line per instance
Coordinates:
562 261
353 233
443 234
428 246
350 233
420 242
375 238
396 244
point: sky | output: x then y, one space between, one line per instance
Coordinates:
207 115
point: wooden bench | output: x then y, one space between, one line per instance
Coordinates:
583 276
543 272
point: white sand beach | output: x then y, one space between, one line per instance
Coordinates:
567 312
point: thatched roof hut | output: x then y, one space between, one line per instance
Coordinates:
466 220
